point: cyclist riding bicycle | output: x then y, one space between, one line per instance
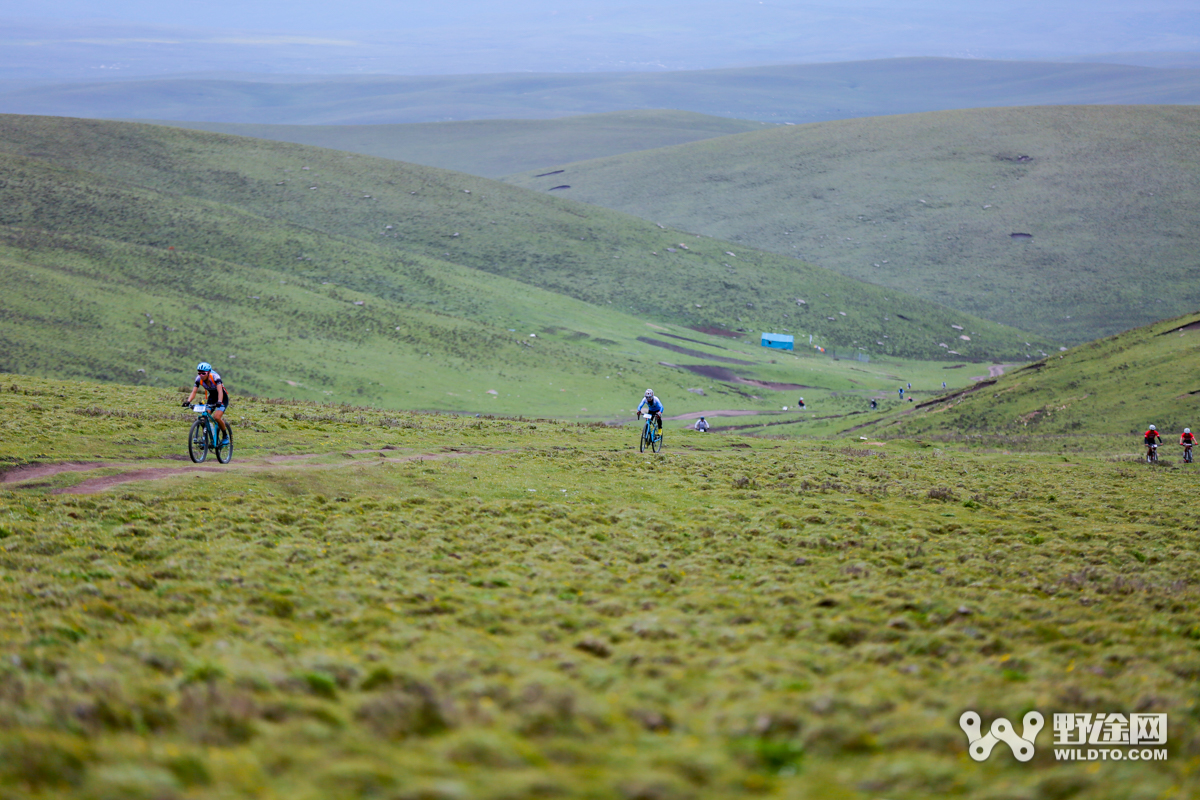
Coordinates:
702 425
654 407
1151 437
1186 440
218 397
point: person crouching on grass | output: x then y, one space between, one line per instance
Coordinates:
218 398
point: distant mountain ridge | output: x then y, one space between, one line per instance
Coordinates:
795 93
493 148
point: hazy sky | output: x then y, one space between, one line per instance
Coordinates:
310 16
85 37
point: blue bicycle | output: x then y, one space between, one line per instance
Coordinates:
205 435
652 436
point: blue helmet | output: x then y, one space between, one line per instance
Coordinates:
204 366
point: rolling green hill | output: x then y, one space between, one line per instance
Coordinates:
493 148
318 259
1115 386
1076 222
779 93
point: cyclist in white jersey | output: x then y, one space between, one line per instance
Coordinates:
218 397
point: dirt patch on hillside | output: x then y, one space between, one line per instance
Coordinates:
674 348
727 375
28 472
729 412
779 387
719 332
994 371
93 485
694 341
1191 326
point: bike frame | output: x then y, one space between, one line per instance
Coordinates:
205 412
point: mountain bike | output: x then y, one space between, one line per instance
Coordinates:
651 436
1187 454
205 435
1151 454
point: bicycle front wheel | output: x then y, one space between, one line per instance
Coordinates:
198 441
225 450
642 441
656 443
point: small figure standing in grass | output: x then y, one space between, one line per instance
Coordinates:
901 392
943 384
874 404
701 425
653 407
800 404
218 398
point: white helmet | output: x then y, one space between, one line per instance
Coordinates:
1153 428
649 393
1187 430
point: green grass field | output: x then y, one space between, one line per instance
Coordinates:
1104 199
493 148
380 604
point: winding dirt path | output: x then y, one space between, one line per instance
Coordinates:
93 485
994 371
24 476
29 472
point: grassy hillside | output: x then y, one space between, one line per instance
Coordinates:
787 93
372 604
493 148
1075 222
380 227
1115 386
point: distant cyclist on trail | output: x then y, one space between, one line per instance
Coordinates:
701 425
1186 440
1151 437
218 398
653 407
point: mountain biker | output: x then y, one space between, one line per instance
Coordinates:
218 397
1186 440
1151 437
874 404
653 406
702 425
800 404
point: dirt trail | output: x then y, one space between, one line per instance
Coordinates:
731 412
93 485
31 472
28 472
994 371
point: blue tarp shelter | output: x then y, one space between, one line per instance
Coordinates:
782 341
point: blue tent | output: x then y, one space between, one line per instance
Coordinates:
783 341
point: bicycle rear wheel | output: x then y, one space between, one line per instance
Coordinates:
225 451
198 441
656 443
